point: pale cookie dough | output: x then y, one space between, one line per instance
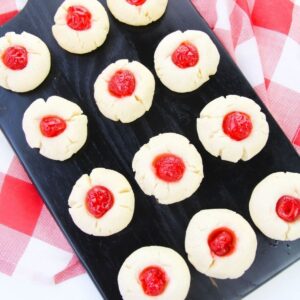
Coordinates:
189 79
67 143
170 261
263 202
217 143
199 254
81 41
137 15
129 108
115 219
168 192
37 68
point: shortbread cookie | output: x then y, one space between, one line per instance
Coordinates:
101 203
275 206
137 12
24 61
220 243
185 60
154 272
57 127
124 91
168 167
81 26
233 128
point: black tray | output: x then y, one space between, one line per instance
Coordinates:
112 145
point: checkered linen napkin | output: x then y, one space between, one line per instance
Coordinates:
263 38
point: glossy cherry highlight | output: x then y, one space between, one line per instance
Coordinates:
79 18
168 167
153 280
288 208
15 58
222 241
99 201
237 125
185 56
52 126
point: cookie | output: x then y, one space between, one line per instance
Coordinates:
101 203
24 62
124 91
154 272
233 128
168 167
220 243
185 60
137 12
275 206
57 127
81 26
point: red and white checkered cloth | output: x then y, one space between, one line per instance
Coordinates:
263 37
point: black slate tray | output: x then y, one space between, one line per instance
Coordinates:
112 145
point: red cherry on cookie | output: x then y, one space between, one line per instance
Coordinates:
136 2
185 56
222 241
99 201
168 167
122 84
52 126
15 58
153 280
288 208
237 125
79 18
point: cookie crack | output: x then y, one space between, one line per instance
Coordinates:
5 79
124 191
125 207
245 153
76 205
286 236
71 118
139 99
212 263
80 42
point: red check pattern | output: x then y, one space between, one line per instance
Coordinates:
24 218
262 36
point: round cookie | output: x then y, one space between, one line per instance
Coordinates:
233 128
137 12
24 62
275 206
102 203
124 91
81 26
57 127
185 60
168 167
154 272
220 243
